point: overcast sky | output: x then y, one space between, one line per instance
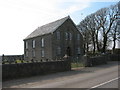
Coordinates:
18 18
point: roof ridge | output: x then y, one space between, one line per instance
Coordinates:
54 21
47 28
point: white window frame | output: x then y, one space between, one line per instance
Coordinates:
70 36
42 42
66 35
58 35
26 53
42 53
58 50
33 43
26 45
33 53
78 50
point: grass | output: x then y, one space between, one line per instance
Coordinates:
16 61
75 65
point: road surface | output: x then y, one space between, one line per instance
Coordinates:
102 76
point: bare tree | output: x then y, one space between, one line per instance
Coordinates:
104 21
82 27
105 17
115 34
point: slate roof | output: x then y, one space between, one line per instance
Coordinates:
48 28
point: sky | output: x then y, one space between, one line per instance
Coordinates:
18 18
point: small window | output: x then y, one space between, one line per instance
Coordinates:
78 50
33 43
70 36
26 45
58 35
78 36
42 42
66 36
33 53
58 50
43 53
26 53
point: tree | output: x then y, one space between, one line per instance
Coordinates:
115 34
82 27
103 21
111 18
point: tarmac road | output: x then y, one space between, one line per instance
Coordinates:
111 84
102 76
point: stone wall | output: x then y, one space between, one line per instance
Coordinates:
114 57
11 58
97 60
12 71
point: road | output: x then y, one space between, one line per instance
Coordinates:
102 76
113 83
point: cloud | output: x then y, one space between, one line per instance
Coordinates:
87 0
47 7
104 0
75 7
19 18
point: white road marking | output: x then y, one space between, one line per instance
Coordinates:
105 83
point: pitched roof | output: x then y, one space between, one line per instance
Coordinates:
48 28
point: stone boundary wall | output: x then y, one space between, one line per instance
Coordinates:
13 71
12 58
114 57
97 60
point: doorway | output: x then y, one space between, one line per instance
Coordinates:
68 51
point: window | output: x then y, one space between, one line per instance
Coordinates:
58 35
26 45
26 53
78 50
66 36
78 36
33 53
33 43
42 53
42 42
70 36
58 50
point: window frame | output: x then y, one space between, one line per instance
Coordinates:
33 53
58 35
66 35
33 43
78 50
42 42
58 50
70 35
26 45
78 36
26 53
42 53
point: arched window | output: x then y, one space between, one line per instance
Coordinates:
33 53
78 36
42 42
26 53
58 50
42 53
26 45
66 35
33 43
58 35
78 50
70 36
